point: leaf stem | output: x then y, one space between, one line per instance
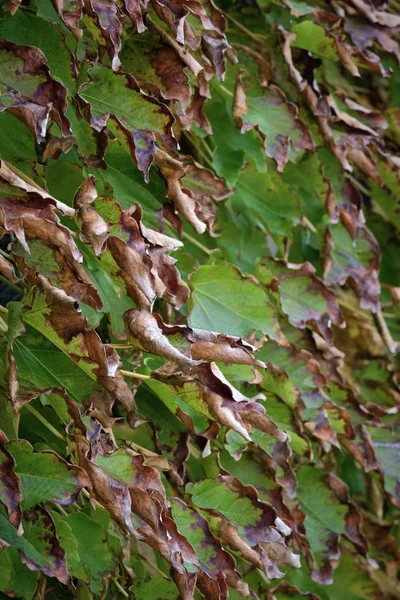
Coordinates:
152 566
119 587
120 346
255 36
11 285
197 243
45 422
5 254
135 375
358 185
3 309
224 89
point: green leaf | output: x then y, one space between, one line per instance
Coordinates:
277 120
36 373
226 301
25 28
142 117
156 588
240 505
16 578
94 553
267 200
39 546
45 476
70 545
315 39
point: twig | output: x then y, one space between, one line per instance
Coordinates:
391 345
6 255
152 565
135 375
119 587
44 421
120 346
223 88
357 184
11 285
255 36
197 243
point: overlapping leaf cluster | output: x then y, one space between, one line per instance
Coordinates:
200 216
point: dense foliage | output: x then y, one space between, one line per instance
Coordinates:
200 299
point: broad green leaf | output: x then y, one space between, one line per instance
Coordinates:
15 577
94 553
238 504
349 575
70 545
277 120
39 546
156 588
25 28
45 476
35 372
325 516
267 200
17 144
315 39
386 447
226 301
196 529
231 145
140 116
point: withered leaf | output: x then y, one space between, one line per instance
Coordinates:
56 315
276 119
28 91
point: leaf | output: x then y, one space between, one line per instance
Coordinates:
305 299
11 495
35 373
239 504
45 476
70 545
141 117
326 519
17 143
267 200
25 28
27 89
213 559
15 578
156 588
188 346
275 118
94 553
39 547
50 307
224 300
159 70
356 260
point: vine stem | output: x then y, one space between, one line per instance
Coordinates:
119 587
45 422
255 36
5 254
135 375
11 285
197 243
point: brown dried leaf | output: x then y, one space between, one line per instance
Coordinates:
95 230
56 315
29 92
10 493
